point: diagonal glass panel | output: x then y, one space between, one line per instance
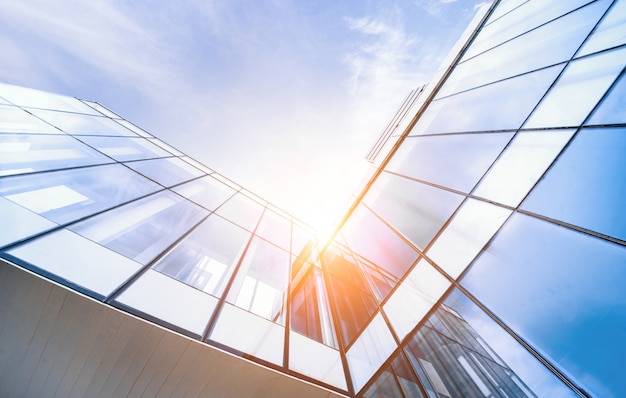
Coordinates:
206 191
242 211
74 123
16 120
610 33
166 171
612 109
23 96
125 148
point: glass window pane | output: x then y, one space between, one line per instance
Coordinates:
562 291
206 191
395 379
40 99
261 282
368 236
547 45
23 222
414 298
78 260
316 360
105 111
490 107
612 109
578 90
64 196
453 161
74 123
276 229
416 210
242 211
468 232
143 229
25 153
134 128
521 165
16 120
610 33
251 334
586 187
369 351
206 257
302 241
182 306
165 146
125 148
167 171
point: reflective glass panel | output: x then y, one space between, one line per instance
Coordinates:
416 210
261 282
182 306
68 195
78 260
23 222
612 109
74 123
302 241
547 45
207 192
586 187
16 120
206 257
578 90
395 379
368 236
40 99
521 165
249 333
134 128
454 161
143 229
242 211
25 153
562 291
610 33
105 111
167 171
316 360
124 148
276 229
167 147
490 107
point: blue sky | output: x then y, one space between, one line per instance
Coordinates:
284 97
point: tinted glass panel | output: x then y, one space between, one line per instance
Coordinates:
241 210
613 108
123 148
610 33
207 192
562 291
167 172
74 123
16 120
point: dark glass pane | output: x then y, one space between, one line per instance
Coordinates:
454 161
586 187
563 292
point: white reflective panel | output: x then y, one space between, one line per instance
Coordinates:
166 171
101 109
16 120
197 164
610 33
251 334
78 260
39 99
521 166
369 351
468 232
47 199
578 90
73 123
316 360
125 148
415 297
134 128
174 302
23 223
165 146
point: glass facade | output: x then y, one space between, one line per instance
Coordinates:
485 257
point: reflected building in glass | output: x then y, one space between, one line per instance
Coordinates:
484 257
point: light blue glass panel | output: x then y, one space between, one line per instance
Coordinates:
549 44
125 148
261 283
105 111
206 191
242 211
497 106
369 237
613 108
143 229
64 196
586 187
167 172
610 33
40 99
16 120
528 16
206 257
416 210
23 222
74 123
25 153
562 291
578 90
454 161
276 229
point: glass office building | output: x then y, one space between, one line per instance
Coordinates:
484 257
